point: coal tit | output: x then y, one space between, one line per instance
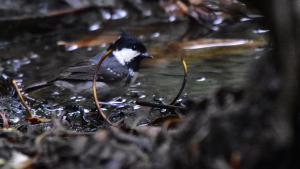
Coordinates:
118 70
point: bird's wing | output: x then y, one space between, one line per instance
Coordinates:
109 72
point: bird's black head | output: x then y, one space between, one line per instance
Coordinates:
129 51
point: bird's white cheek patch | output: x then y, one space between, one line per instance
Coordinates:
125 55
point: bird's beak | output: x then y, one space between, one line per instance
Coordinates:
147 55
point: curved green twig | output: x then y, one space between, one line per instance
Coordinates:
185 71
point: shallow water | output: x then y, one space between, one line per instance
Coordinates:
41 59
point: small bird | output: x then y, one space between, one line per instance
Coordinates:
119 69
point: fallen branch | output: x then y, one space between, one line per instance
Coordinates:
158 105
28 112
185 71
171 106
29 117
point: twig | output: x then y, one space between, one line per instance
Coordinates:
4 119
171 105
28 112
98 105
29 117
185 71
157 105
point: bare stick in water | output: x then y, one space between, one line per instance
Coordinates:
28 112
185 71
98 105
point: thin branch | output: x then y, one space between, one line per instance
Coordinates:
29 117
28 112
157 105
171 105
98 105
185 71
4 120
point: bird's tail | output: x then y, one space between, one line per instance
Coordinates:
38 86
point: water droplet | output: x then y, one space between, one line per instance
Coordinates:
218 21
46 47
136 107
171 8
79 99
136 84
260 31
19 81
143 124
56 93
155 35
33 55
215 28
105 14
18 63
158 99
94 27
142 96
147 13
201 79
141 37
179 100
104 109
119 14
71 47
103 45
259 49
244 19
172 18
15 120
257 57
